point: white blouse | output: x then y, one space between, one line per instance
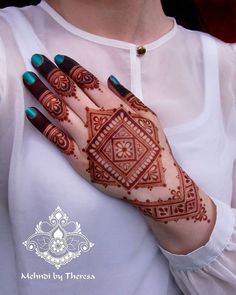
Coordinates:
188 78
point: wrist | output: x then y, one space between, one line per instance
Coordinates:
173 203
184 236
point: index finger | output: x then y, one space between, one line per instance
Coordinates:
100 94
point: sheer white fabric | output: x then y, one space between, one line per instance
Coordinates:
188 79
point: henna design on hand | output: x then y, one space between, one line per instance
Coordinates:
62 84
185 203
122 150
60 139
128 97
63 141
136 104
55 106
84 79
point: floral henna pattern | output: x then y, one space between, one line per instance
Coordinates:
98 121
84 79
55 106
147 125
60 139
62 84
185 203
122 152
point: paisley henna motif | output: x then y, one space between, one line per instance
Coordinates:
60 139
184 203
62 84
122 151
84 79
55 106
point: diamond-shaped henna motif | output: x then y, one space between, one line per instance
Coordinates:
122 149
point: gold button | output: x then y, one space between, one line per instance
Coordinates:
141 50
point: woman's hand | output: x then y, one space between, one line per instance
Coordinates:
112 139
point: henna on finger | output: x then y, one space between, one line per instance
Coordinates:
61 83
94 90
61 140
128 97
83 78
56 107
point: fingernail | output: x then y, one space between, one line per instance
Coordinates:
37 60
114 80
29 78
59 59
31 113
118 86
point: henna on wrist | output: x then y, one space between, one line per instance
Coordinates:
184 203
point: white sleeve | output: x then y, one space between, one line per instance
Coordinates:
211 267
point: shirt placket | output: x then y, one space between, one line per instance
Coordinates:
136 54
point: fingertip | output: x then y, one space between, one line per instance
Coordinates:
29 77
31 112
65 63
37 118
115 85
114 80
37 60
59 59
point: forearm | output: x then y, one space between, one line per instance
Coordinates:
184 236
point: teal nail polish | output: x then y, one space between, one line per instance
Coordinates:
122 91
30 113
29 78
37 60
59 59
114 80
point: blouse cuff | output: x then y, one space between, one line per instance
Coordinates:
219 239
